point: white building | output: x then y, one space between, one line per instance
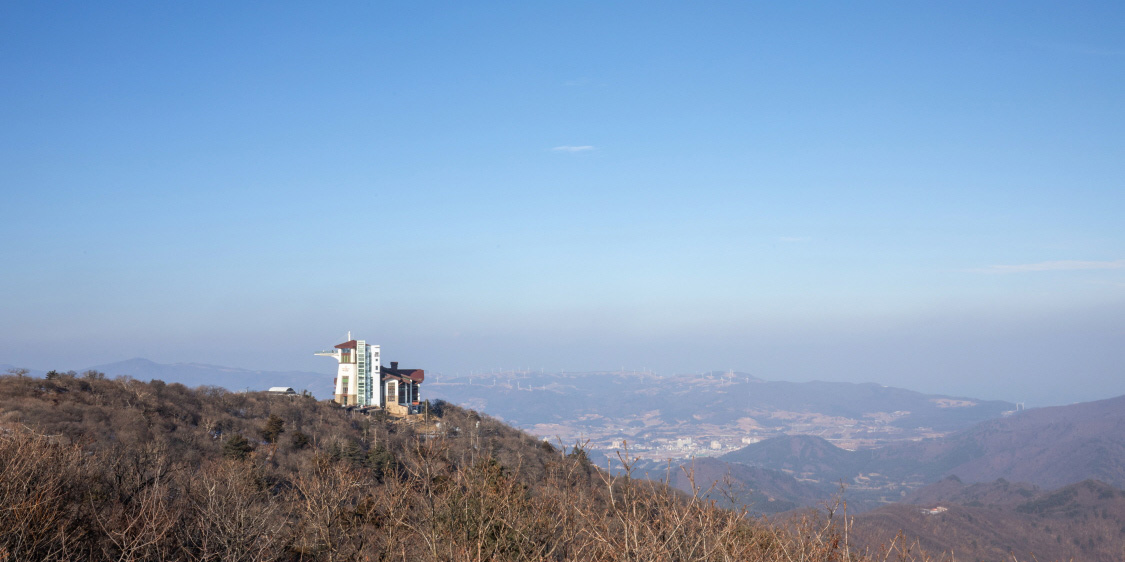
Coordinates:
356 378
361 380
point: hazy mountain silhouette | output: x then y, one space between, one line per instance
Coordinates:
199 374
6 367
527 399
1047 447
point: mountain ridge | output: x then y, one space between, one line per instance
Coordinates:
203 374
1046 447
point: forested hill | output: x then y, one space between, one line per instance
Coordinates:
1001 520
117 469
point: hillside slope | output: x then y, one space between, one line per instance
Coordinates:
116 469
951 490
806 456
733 485
987 521
1048 447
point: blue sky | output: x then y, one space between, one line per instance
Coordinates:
927 195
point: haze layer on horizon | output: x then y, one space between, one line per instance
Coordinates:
920 196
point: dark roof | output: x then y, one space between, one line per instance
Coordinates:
416 375
350 344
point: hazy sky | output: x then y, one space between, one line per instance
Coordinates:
928 195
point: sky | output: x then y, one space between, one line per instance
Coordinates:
927 195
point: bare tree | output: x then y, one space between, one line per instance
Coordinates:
40 490
232 517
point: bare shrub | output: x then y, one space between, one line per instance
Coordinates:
41 492
232 517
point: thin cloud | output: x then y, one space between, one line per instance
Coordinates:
1064 265
568 148
1084 49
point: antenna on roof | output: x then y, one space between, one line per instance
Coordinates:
349 335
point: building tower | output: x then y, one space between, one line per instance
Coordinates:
357 379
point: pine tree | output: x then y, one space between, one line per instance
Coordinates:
382 462
274 427
301 440
237 447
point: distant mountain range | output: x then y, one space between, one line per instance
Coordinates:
528 399
198 374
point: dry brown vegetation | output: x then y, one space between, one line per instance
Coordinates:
98 469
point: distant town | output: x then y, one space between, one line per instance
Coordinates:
695 415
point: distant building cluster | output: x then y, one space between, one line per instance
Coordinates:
362 380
